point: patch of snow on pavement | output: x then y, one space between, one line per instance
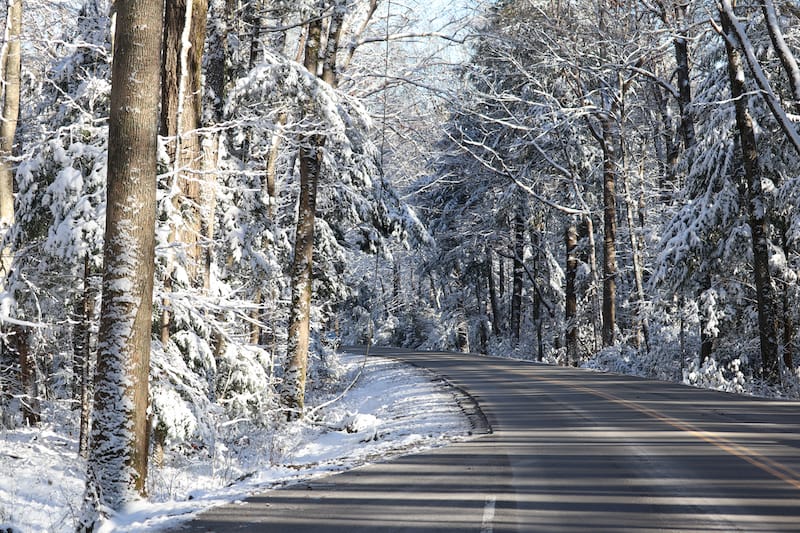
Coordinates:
393 409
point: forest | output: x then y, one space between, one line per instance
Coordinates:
610 184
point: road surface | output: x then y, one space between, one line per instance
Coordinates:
569 450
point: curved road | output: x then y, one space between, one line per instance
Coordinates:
569 450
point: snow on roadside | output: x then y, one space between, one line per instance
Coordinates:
393 409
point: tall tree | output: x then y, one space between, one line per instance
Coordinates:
117 466
783 51
571 297
10 62
518 252
310 160
181 114
757 205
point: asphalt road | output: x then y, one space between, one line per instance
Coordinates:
569 450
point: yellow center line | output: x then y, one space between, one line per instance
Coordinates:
756 459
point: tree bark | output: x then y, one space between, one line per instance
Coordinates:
758 209
642 326
682 72
117 466
571 296
11 64
311 152
591 256
20 345
329 64
786 315
493 299
518 234
680 44
83 359
783 52
483 333
666 147
610 143
181 112
299 320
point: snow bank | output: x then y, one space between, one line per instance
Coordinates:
392 409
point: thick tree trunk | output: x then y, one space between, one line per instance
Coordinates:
571 296
758 210
117 466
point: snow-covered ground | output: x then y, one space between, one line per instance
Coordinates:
392 409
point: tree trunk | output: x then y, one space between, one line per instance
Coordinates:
493 299
83 359
462 330
270 185
666 147
757 205
518 233
397 295
682 72
611 143
311 153
786 312
706 340
571 296
117 466
483 334
256 23
299 320
11 65
783 52
330 73
591 257
680 44
20 344
181 111
501 276
688 135
642 326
